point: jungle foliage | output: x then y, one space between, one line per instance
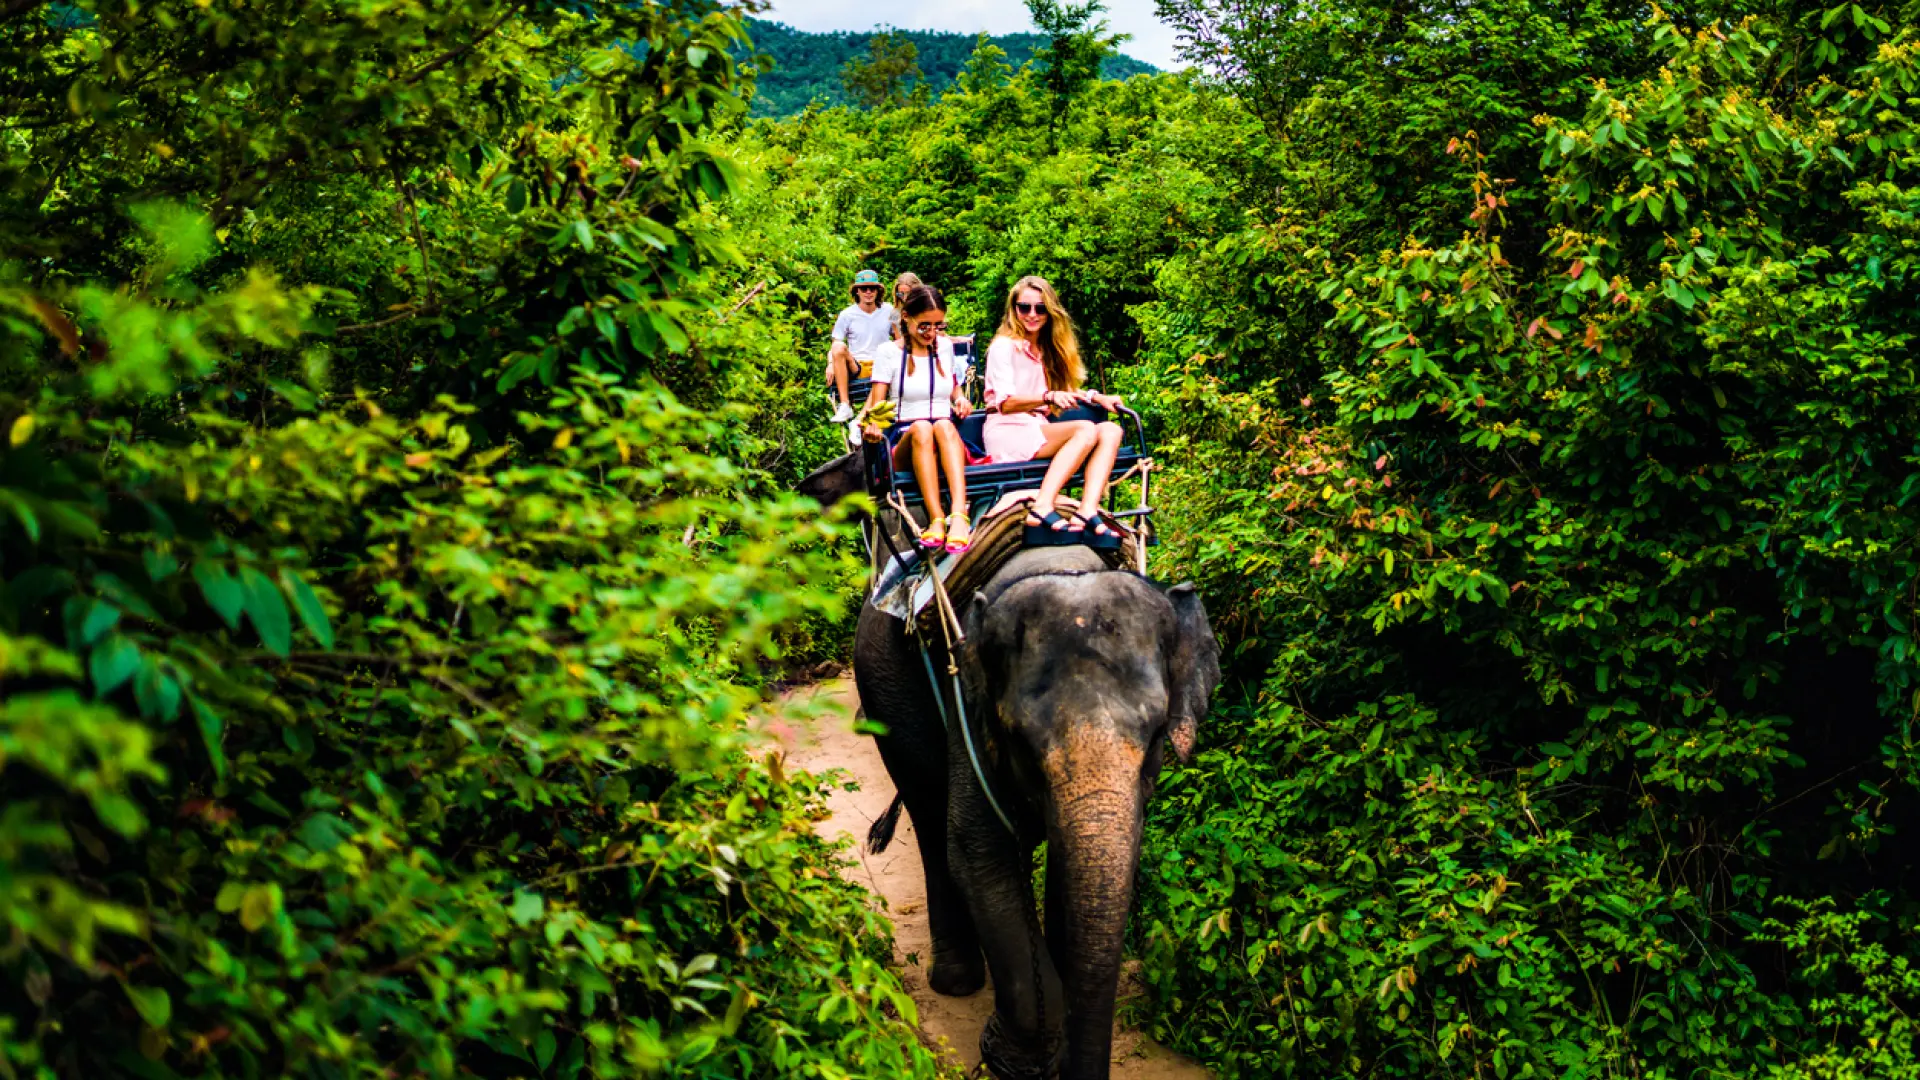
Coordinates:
393 544
397 414
1536 390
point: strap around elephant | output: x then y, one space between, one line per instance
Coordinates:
966 736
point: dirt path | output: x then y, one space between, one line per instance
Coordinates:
826 739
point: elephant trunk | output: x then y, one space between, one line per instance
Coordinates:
1099 805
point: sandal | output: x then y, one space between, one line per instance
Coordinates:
934 535
1096 533
1045 533
959 534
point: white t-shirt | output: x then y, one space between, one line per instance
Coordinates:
927 394
864 331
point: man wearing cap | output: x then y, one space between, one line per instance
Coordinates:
863 326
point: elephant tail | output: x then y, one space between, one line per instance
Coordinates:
881 834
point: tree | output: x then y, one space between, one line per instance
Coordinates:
883 77
1077 44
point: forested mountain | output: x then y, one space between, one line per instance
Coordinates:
806 66
403 403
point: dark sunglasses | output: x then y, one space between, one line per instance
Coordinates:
1030 309
874 289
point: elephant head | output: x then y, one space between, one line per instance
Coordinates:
1085 677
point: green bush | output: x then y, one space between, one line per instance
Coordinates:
1579 569
386 586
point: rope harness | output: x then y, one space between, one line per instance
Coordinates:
955 635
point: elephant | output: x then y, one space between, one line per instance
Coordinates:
1076 677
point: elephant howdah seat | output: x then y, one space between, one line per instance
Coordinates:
987 483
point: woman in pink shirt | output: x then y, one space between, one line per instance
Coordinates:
1033 373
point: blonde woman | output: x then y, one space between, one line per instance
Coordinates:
902 285
1033 374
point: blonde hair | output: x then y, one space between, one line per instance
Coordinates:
905 283
1059 345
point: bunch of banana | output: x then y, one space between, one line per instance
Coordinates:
880 414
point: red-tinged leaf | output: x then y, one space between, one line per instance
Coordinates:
1592 340
1380 462
1579 267
1533 328
1551 329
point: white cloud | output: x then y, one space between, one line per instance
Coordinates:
1152 39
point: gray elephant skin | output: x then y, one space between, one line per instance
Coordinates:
1076 678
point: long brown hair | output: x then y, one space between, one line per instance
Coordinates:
1059 345
919 300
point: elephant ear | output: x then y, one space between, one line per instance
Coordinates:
835 480
978 651
1195 669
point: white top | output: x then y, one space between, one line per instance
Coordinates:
864 331
927 394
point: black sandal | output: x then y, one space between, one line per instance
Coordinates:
1046 533
1096 533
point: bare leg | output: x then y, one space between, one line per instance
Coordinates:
1067 444
837 378
919 444
1100 466
953 462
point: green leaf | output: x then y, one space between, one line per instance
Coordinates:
583 233
1557 749
312 615
100 618
113 662
516 196
527 906
301 398
223 593
156 691
151 1003
323 832
268 611
544 1046
23 513
211 729
258 905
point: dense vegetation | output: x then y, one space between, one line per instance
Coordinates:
805 68
1537 388
391 556
398 414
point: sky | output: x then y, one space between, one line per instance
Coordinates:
1152 40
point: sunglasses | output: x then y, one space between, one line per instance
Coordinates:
874 289
1030 309
936 327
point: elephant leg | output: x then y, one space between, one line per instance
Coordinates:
1024 1038
894 691
957 966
